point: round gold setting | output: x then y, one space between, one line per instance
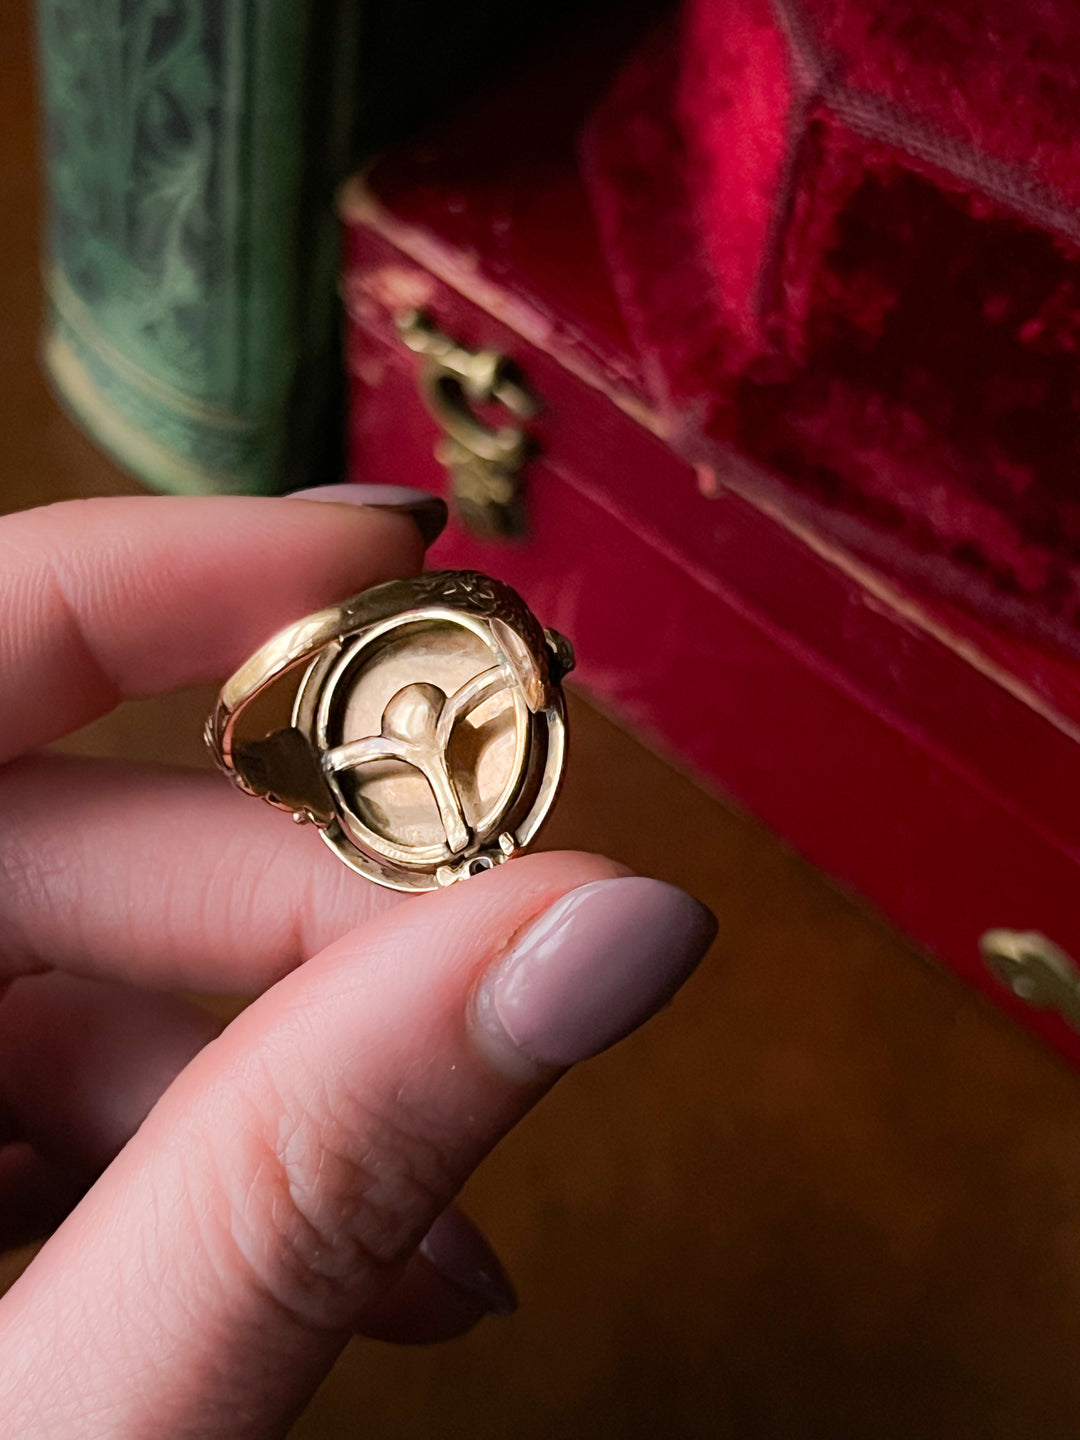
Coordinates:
425 732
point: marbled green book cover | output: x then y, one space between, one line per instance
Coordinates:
191 153
191 150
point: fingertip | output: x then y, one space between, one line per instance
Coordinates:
428 512
461 1255
587 972
130 596
425 1307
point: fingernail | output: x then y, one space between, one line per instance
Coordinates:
593 968
428 512
461 1255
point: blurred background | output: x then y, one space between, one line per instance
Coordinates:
831 1193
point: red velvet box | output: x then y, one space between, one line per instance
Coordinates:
734 508
852 265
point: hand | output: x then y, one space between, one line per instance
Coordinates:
266 1192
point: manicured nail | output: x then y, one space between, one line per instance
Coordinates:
461 1255
428 512
593 968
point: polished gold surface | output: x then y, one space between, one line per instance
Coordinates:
484 462
439 759
427 735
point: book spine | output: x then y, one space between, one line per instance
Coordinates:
191 150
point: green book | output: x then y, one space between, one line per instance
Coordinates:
192 149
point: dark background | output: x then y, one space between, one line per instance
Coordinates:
829 1194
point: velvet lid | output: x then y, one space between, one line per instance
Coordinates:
845 239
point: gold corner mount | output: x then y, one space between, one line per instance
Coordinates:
484 461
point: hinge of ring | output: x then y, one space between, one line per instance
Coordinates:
484 461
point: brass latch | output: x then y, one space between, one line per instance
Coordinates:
1035 969
485 462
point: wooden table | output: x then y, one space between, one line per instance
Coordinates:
830 1194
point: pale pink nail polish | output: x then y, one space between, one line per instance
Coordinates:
428 512
461 1255
591 969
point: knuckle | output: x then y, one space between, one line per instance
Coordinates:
329 1195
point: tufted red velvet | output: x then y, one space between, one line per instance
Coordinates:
846 240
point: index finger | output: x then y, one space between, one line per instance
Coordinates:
119 598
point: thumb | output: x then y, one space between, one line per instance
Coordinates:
278 1189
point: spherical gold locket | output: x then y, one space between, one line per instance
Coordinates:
425 733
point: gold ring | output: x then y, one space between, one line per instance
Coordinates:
420 726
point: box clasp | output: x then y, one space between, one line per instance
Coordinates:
1035 969
484 460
